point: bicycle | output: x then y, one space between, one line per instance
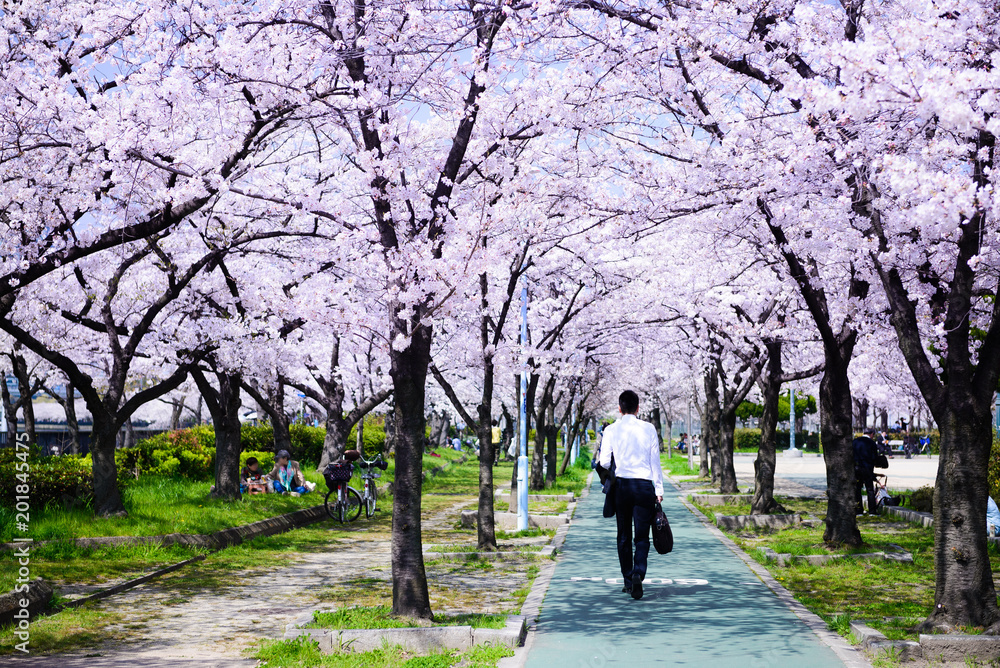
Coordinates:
346 502
369 495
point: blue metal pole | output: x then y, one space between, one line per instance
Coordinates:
522 460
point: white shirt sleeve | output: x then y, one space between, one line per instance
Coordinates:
606 447
654 462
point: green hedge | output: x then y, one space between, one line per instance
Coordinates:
749 439
374 436
65 480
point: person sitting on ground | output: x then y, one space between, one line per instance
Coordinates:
251 471
252 478
992 517
682 443
287 475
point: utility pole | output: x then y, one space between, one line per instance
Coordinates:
522 460
792 451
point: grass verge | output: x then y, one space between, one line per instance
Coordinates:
381 617
891 597
301 653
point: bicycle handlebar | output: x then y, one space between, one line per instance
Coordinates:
377 462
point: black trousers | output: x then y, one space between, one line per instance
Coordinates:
869 484
636 507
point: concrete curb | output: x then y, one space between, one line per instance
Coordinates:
213 541
508 521
419 639
125 586
487 556
878 645
846 652
736 522
38 596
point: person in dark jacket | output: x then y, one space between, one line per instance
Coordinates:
866 458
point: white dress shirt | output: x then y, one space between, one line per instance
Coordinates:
636 450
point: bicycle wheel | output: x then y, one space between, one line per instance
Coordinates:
353 506
371 498
330 503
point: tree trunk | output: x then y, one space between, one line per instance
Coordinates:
552 458
409 374
964 590
175 413
224 406
335 441
26 400
359 444
103 438
837 434
710 425
654 416
71 422
486 538
763 497
727 471
129 434
390 430
9 412
541 415
884 417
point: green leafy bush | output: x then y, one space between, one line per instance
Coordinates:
188 453
63 480
749 439
374 436
923 499
266 459
257 437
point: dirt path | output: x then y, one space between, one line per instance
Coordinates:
180 622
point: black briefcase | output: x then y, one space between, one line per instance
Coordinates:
663 537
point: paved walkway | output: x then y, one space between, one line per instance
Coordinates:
702 607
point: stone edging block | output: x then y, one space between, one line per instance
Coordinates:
722 499
470 518
915 516
39 595
735 522
568 496
419 639
956 647
877 644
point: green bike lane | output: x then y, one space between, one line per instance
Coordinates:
702 606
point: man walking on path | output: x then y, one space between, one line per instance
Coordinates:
638 486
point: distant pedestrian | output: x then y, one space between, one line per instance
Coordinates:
866 458
638 486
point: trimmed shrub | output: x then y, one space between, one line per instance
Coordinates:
374 436
266 459
749 439
188 453
257 437
923 499
65 480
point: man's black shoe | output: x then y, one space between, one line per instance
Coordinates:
627 589
637 589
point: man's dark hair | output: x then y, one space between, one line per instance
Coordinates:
628 401
251 461
495 423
